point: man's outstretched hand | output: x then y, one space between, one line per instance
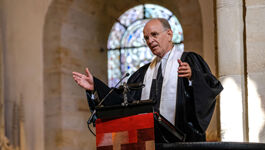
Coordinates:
85 81
184 70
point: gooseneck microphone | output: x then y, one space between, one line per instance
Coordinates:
104 98
126 75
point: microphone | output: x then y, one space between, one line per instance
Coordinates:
126 75
104 98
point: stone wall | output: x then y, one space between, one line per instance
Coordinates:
44 41
22 23
241 63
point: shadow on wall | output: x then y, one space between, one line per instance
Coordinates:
232 108
256 113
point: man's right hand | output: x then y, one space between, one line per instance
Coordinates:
85 81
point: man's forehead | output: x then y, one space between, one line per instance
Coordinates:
152 25
155 21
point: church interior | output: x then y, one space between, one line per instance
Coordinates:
42 42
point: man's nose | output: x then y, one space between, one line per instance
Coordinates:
150 40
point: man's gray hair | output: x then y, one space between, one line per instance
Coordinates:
164 23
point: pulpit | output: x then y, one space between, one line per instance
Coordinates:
134 126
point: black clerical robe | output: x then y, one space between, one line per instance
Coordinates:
194 105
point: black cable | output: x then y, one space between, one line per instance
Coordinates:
90 129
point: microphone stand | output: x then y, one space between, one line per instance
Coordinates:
125 91
94 112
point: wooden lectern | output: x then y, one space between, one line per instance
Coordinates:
131 127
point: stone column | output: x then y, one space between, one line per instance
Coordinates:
231 68
2 124
23 72
255 37
208 28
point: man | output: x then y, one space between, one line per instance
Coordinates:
181 83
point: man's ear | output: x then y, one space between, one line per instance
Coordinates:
170 34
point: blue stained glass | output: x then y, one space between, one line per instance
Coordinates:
133 36
115 36
177 29
130 37
127 49
132 15
114 72
156 11
133 58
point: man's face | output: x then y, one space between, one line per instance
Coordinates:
157 38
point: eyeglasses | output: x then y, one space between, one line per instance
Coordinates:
154 35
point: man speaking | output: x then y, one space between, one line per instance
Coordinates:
180 83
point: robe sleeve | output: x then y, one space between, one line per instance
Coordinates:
102 90
116 96
205 88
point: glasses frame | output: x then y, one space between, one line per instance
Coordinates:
154 35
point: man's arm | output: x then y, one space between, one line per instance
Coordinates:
205 88
91 85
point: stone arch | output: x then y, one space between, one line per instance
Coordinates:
75 37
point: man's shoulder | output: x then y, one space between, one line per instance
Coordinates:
186 56
196 61
139 74
191 54
144 67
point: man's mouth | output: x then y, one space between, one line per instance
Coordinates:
154 46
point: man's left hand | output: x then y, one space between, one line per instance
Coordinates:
184 70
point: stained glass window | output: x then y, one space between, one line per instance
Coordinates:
127 50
